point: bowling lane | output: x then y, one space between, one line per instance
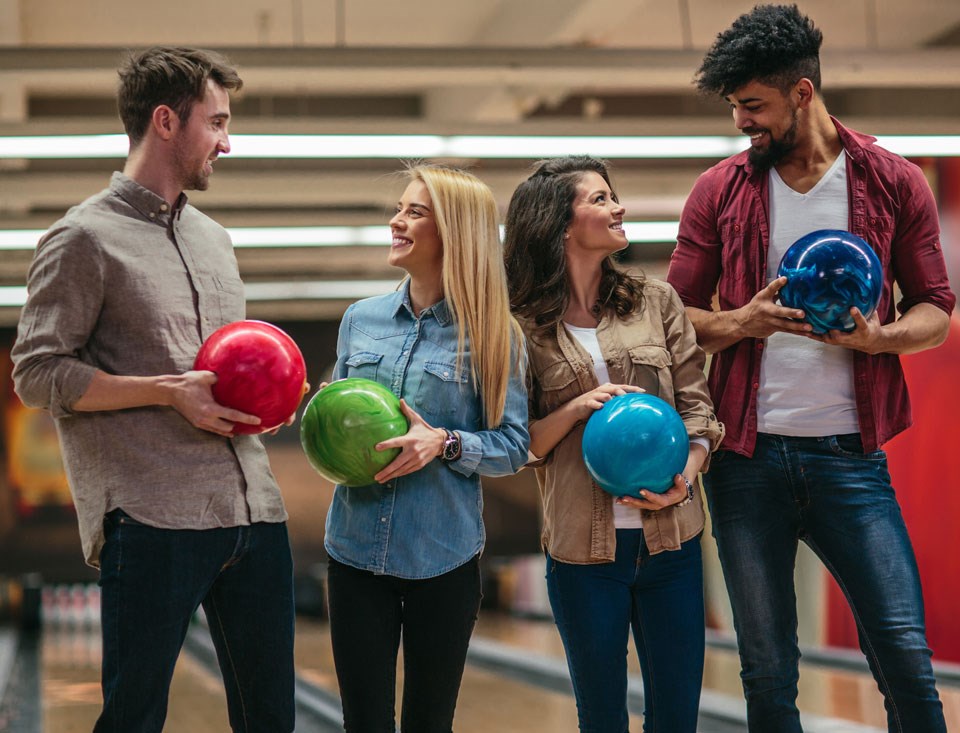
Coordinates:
69 649
488 701
825 692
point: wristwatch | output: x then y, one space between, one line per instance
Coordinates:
451 446
689 493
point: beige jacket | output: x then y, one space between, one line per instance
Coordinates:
655 349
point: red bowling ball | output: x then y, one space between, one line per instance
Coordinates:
260 371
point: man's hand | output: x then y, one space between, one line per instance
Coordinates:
191 395
762 316
293 416
867 335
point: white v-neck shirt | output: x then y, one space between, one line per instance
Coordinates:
806 388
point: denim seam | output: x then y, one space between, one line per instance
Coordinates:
116 621
888 695
560 618
652 681
233 668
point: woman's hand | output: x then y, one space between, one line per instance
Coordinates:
547 432
589 402
420 445
676 494
654 502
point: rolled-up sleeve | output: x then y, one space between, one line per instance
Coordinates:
64 296
917 255
691 395
696 260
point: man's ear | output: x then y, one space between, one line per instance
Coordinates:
805 92
165 121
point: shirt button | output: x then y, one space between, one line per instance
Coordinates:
759 346
446 374
756 385
383 519
163 207
152 215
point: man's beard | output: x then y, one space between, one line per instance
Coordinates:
191 179
777 150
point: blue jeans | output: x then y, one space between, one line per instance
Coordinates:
369 614
660 597
830 494
152 582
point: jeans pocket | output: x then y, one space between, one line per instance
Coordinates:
719 457
851 446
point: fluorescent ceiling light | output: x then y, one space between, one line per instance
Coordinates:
396 146
319 289
12 296
638 232
16 296
450 146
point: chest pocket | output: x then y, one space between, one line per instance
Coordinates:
558 385
441 390
651 370
364 364
230 299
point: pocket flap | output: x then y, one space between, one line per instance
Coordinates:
363 357
446 372
651 355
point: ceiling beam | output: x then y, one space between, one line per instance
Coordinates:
357 70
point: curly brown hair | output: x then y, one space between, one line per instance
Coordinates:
540 211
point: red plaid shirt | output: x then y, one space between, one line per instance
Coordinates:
722 249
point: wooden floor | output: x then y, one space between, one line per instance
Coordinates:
71 691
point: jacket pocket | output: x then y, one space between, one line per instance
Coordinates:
651 369
556 384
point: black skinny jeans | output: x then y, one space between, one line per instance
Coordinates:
368 615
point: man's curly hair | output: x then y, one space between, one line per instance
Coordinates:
774 44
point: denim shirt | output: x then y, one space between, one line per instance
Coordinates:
428 522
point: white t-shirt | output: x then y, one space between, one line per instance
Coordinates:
624 517
806 388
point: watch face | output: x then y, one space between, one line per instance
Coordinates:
451 449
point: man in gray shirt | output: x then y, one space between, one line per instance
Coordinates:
122 292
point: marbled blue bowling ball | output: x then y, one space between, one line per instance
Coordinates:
828 272
635 441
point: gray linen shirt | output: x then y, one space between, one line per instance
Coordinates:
124 284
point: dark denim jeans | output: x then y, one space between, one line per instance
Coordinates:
660 597
153 580
368 615
828 493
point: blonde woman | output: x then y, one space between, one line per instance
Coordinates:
404 551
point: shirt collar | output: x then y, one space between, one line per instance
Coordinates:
151 206
401 300
853 144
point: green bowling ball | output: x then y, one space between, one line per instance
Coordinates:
343 423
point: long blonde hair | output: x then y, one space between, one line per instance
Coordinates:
474 281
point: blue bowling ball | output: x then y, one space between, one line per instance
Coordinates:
635 441
828 272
